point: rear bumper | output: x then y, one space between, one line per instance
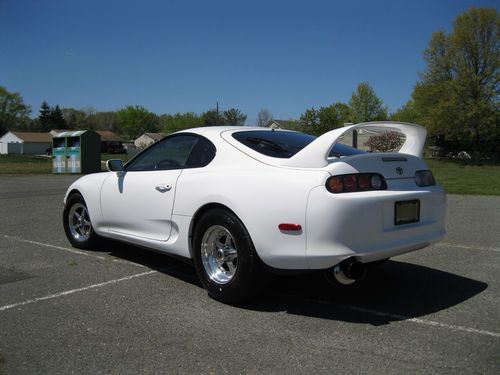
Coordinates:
361 225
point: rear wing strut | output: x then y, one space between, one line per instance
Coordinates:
315 154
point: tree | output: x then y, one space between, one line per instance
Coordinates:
457 95
212 117
44 117
384 142
75 118
310 119
407 113
136 120
334 116
57 118
320 121
180 121
106 121
263 117
13 111
366 105
234 116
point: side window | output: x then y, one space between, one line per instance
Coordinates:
202 154
171 153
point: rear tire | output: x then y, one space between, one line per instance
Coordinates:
225 259
77 224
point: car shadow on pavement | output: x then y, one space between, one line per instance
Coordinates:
180 268
393 291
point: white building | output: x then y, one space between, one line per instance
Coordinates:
25 143
146 139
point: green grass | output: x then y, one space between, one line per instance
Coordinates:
454 176
459 178
25 164
30 164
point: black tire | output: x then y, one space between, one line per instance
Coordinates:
77 225
239 282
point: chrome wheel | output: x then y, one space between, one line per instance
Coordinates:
219 254
79 222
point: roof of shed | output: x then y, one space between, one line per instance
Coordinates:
34 137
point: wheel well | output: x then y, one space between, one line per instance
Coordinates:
201 211
73 192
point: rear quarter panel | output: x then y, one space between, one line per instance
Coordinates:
262 196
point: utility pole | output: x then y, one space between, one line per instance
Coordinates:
355 139
217 113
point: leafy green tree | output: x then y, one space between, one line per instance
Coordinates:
334 116
366 105
320 121
234 116
457 95
263 117
135 120
180 121
407 113
45 117
211 118
13 111
310 119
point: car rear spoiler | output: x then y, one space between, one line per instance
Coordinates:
315 154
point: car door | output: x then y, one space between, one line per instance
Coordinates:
138 202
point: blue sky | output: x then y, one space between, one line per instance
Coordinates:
176 56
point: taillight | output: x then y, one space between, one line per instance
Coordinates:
424 178
349 183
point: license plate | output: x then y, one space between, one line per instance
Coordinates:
407 212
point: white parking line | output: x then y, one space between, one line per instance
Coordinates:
74 251
398 317
349 307
423 321
67 292
467 247
70 250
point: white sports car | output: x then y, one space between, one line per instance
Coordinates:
242 201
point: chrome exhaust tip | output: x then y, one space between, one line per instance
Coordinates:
349 271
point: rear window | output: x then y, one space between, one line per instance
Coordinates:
285 144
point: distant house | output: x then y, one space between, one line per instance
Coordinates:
283 124
146 139
111 143
25 143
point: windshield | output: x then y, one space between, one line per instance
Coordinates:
285 144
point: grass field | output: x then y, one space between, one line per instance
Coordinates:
24 164
457 178
27 164
454 176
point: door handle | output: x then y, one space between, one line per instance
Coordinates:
162 188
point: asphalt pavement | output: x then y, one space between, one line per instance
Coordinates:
123 310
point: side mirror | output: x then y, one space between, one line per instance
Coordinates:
114 165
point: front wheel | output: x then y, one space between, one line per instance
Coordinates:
225 258
77 224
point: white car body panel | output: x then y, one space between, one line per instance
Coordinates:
264 191
146 197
